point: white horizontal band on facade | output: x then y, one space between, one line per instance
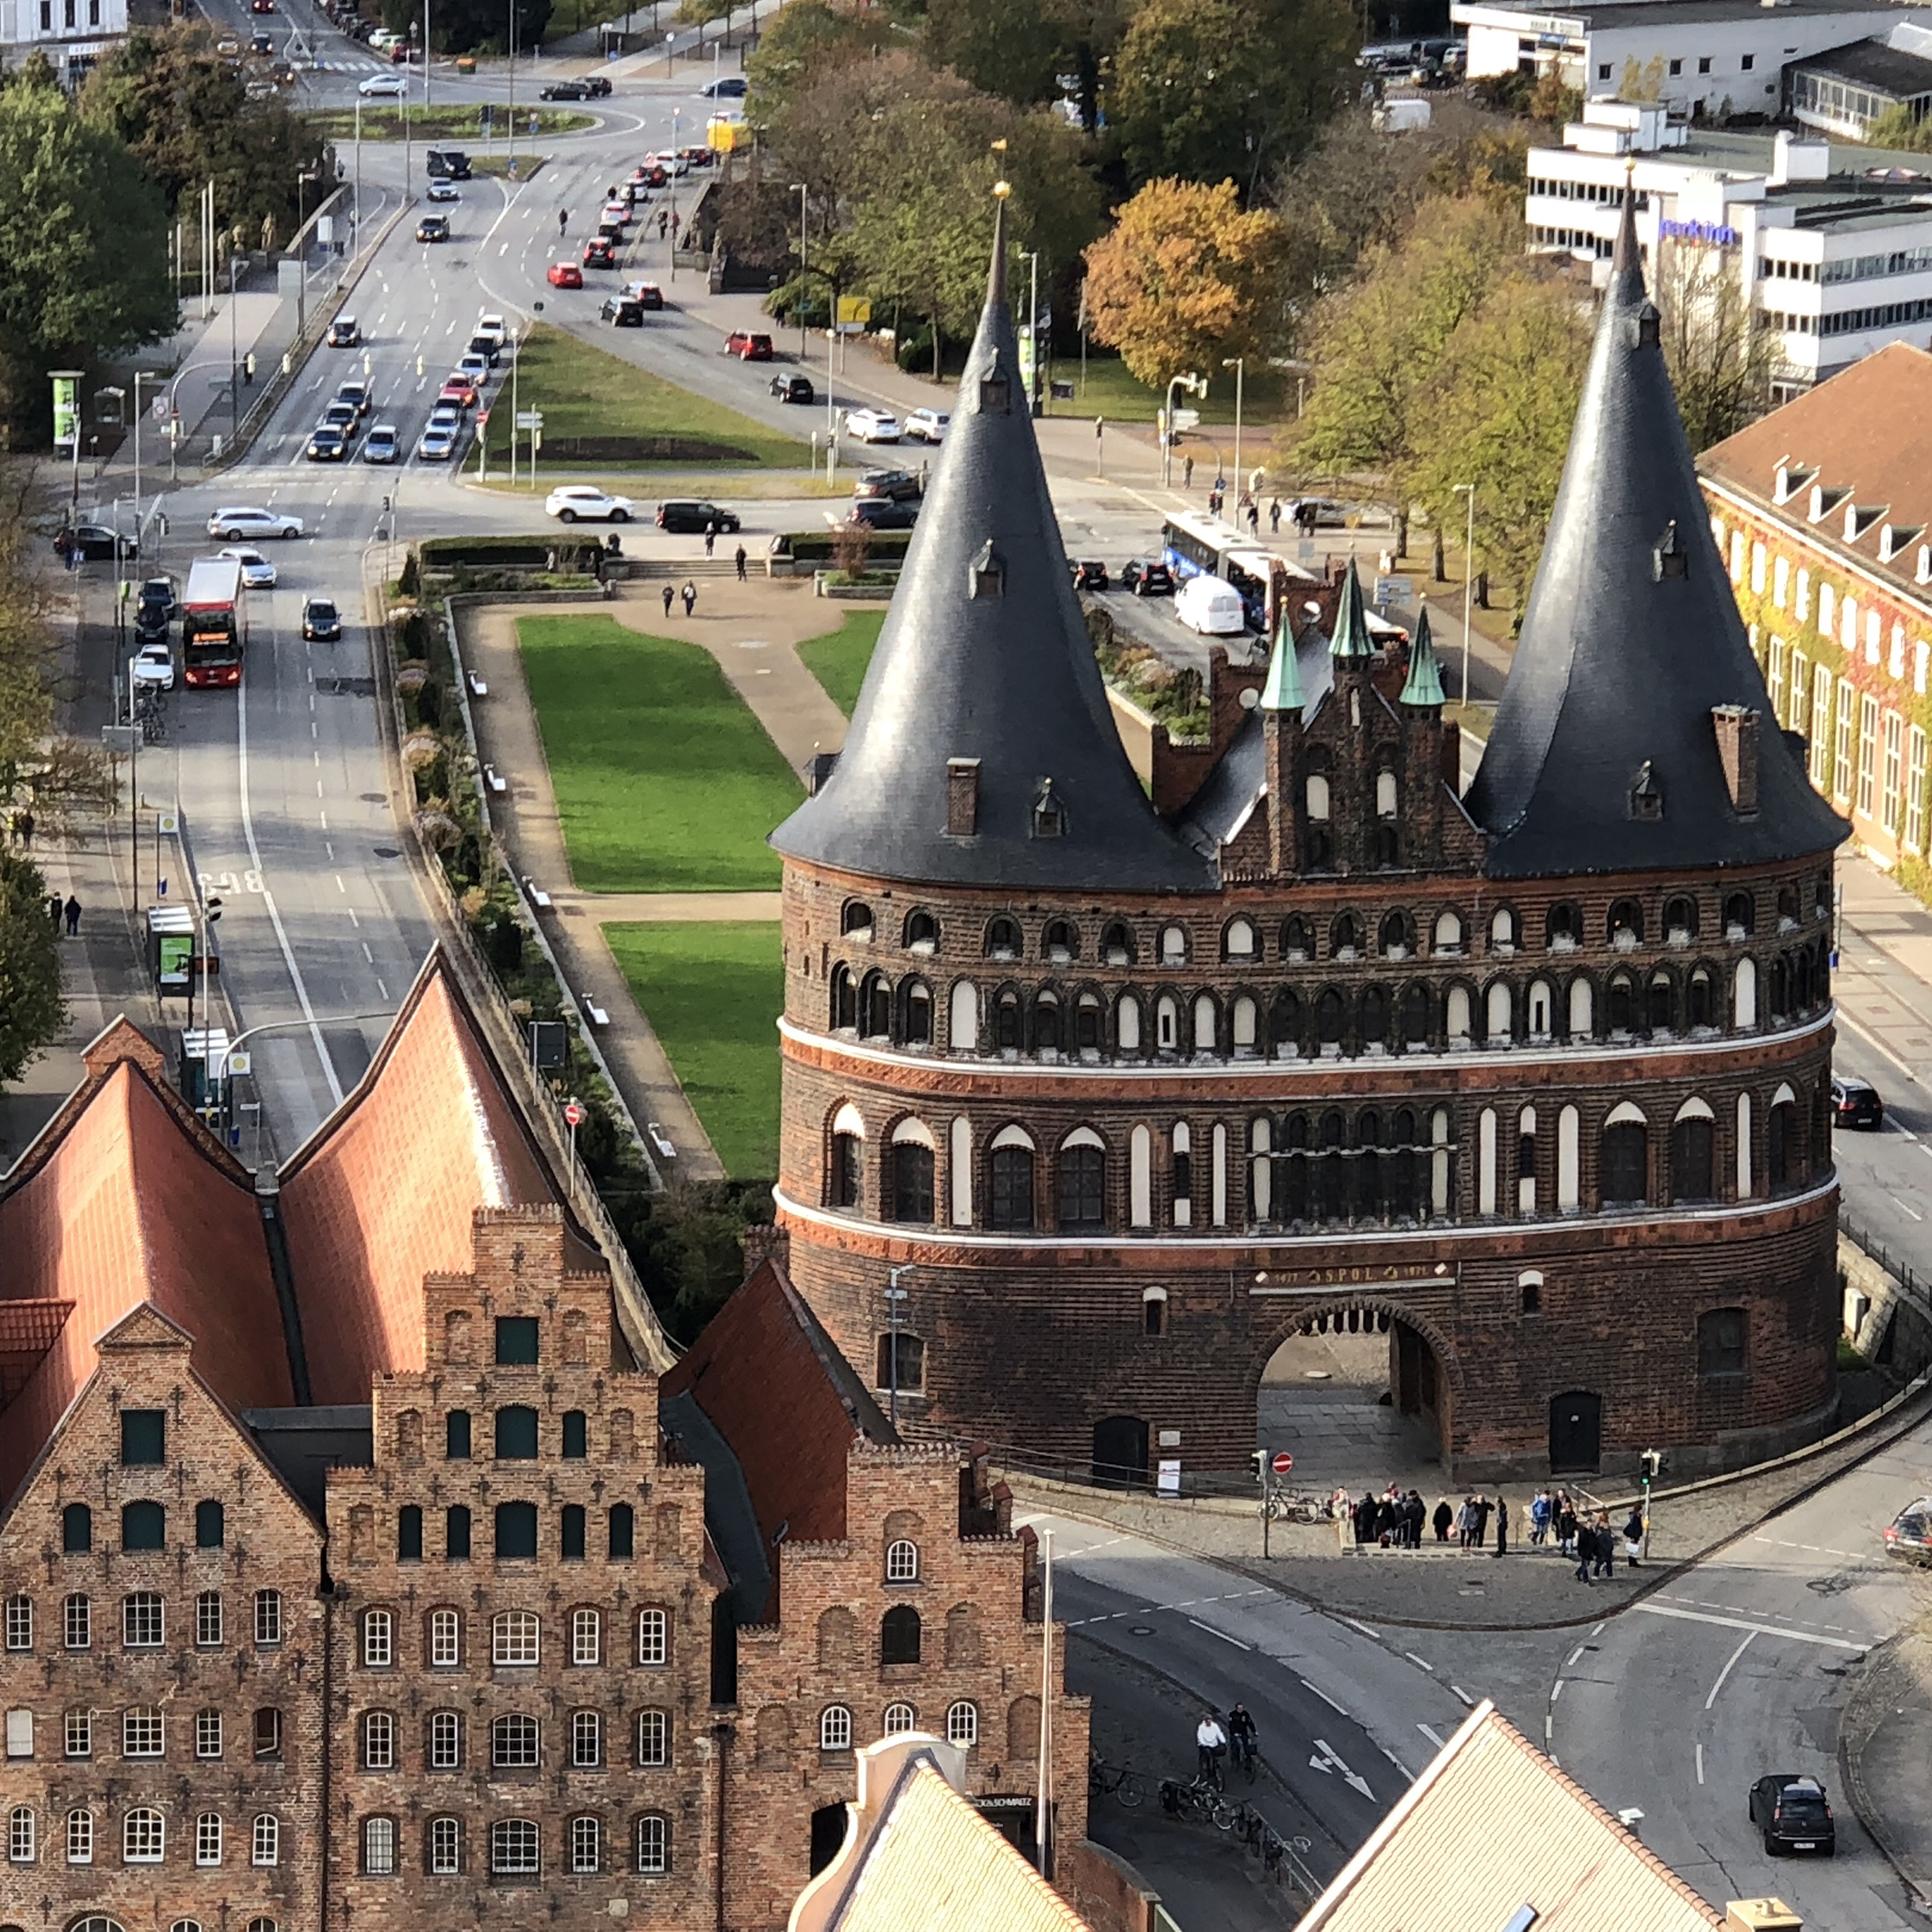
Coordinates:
1205 1240
1052 1073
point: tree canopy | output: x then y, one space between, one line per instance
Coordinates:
32 1012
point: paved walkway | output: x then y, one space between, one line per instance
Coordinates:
1882 1745
753 630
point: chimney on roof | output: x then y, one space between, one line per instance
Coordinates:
1737 751
962 797
763 1242
1761 1915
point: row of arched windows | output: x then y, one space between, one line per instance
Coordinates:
1375 1165
143 1840
1680 919
1056 1020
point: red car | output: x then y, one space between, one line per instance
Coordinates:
599 254
565 275
459 390
749 347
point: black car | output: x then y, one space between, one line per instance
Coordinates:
486 347
96 542
327 444
687 516
1855 1104
433 227
158 592
322 622
597 87
621 313
1146 580
793 388
564 90
883 513
1792 1814
901 486
1089 574
150 624
448 163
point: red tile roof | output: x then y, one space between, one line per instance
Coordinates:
385 1191
124 1199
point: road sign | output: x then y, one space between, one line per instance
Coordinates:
238 1063
168 823
573 1113
529 419
1281 1462
1186 418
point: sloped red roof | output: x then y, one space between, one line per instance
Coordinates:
125 1200
385 1191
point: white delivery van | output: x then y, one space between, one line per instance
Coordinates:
1211 606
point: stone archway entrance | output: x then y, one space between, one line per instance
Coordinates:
1356 1394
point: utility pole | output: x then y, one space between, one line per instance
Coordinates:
1238 364
798 189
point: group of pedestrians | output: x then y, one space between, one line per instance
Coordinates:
1554 1517
689 594
23 829
68 909
1396 1519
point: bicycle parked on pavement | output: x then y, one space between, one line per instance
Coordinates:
1114 1780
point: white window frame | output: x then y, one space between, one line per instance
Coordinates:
586 1741
1842 768
378 1741
1821 727
446 1846
77 1618
586 1636
445 1757
208 1838
78 1734
516 1639
136 1607
1891 786
80 1837
378 1846
1915 790
653 1739
19 1733
210 1620
379 1639
1867 753
586 1844
651 1844
446 1639
835 1728
143 1731
902 1561
20 1623
145 1824
265 1840
269 1622
22 1835
653 1638
516 1849
900 1717
208 1733
962 1724
526 1732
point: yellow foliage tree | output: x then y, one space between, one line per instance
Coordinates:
1185 278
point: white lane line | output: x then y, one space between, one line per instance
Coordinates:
367 954
1599 1628
1757 1629
1323 1694
1749 1637
1222 1634
1557 1691
1569 1662
1463 1694
1549 1726
1433 1737
380 987
1700 1763
1423 1661
254 855
1356 1622
339 886
324 817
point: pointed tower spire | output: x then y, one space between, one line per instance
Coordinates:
1605 754
1283 691
982 750
1350 639
1423 686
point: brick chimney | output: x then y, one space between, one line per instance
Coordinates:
763 1242
1737 750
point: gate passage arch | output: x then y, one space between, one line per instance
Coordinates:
1425 1371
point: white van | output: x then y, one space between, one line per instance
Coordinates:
1213 608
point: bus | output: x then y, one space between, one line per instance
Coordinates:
1192 545
214 623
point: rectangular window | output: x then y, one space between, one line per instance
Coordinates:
513 1638
378 1640
653 1739
586 1630
267 1617
1780 651
19 1734
20 1623
268 1732
456 1533
456 1436
515 1534
514 1744
446 1639
1797 715
144 1437
208 1838
1915 790
80 1734
652 1636
143 1625
446 1740
1780 581
208 1619
208 1734
1891 773
586 1741
78 1623
1867 753
1758 558
571 1542
1820 727
1841 759
378 1740
140 1733
516 1340
1804 595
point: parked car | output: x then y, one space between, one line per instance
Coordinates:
572 503
458 389
151 621
154 666
238 521
690 516
157 594
598 253
1793 1814
1324 512
96 542
647 295
495 328
476 369
900 486
1090 573
564 275
928 426
449 163
883 513
747 347
487 346
564 90
382 444
793 388
327 444
442 190
344 332
622 312
1909 1534
396 85
257 572
322 622
1145 579
871 425
1856 1104
433 227
1211 606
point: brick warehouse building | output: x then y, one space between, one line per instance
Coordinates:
277 1660
1117 1100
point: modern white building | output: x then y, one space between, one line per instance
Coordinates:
1844 91
1834 242
72 35
1708 57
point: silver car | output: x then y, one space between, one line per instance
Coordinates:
241 521
258 573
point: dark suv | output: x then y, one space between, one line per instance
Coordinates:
901 486
687 516
1792 1814
1855 1103
883 513
564 90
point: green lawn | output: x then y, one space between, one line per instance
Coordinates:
1110 391
664 781
585 393
838 659
451 125
712 993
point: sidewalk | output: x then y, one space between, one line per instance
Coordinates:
1881 1743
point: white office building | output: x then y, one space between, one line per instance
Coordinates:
1714 58
72 35
1833 241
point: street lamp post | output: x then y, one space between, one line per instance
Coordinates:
1033 331
673 174
512 106
1238 364
1468 489
804 344
894 1295
234 356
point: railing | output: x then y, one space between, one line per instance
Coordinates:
1117 1478
1877 1250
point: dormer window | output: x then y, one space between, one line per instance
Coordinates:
1859 518
1649 324
1668 559
1050 816
986 576
1646 795
996 393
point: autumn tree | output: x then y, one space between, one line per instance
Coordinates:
32 1013
1185 278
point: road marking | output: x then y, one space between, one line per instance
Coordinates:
1557 1691
1328 1758
354 920
1359 1625
1432 1737
380 988
254 853
1599 1628
1700 1763
1463 1694
339 886
1323 1694
324 817
1549 1726
1757 1629
1423 1661
1222 1634
1750 1635
367 954
1569 1662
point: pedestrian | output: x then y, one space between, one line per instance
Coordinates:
563 223
689 594
1633 1536
739 560
663 221
1466 1521
26 830
1186 473
711 538
53 910
1253 519
1443 1519
1384 1522
72 915
1607 1545
1363 1515
1502 1526
670 594
1482 1521
1586 1550
1275 518
1565 1526
1419 1511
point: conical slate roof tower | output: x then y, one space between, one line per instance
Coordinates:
1633 671
982 750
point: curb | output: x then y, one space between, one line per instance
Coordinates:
1851 1757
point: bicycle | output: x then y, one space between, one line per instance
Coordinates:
1111 1781
1246 1756
1198 1800
1303 1507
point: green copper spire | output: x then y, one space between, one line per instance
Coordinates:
1424 687
1283 691
1350 639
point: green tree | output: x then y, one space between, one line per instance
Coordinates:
1896 129
1721 359
32 1012
805 41
1217 90
1009 47
1184 278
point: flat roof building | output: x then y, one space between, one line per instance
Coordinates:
1845 91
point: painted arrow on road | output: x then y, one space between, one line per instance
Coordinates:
1326 1760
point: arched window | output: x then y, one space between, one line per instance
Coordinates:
902 1561
1046 1023
1626 925
1485 1161
516 1434
1661 1003
653 1844
1083 1181
1502 929
1284 1025
962 1725
1166 1024
1373 1028
1318 796
1780 1141
1345 937
1401 1180
378 1847
1740 916
515 1743
1006 1021
1207 1024
1743 995
875 1007
1569 1160
1086 1023
144 1836
913 1152
1174 946
516 1638
1387 795
1449 933
1624 1166
899 1635
835 1728
21 1847
1126 1024
1538 1009
844 1176
1239 941
1369 1175
1331 1018
856 917
1060 941
77 1529
1415 1016
1691 1153
144 1526
1243 1022
1002 938
1680 920
1297 941
1116 943
963 1029
1698 999
1331 1175
921 933
1622 1003
1010 1192
898 1717
211 1524
1442 1169
844 1000
515 1848
1563 928
1741 1143
1788 909
1526 1161
1582 1009
1499 1019
1261 1169
915 1013
1396 937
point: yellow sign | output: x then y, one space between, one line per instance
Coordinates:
854 311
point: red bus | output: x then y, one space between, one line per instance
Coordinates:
214 621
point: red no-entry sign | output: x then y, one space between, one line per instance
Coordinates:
1281 1462
573 1113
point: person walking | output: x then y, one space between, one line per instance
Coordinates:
689 594
1364 1519
1186 473
711 538
1586 1550
1606 1547
72 915
670 597
1444 1519
1275 518
1482 1521
1466 1521
23 829
1254 518
1419 1511
663 222
739 561
1565 1524
1502 1526
563 223
1540 1519
53 910
1633 1537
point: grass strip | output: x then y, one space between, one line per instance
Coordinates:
838 659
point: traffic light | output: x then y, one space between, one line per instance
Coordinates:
1259 1458
1653 1464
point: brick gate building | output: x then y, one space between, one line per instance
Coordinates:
1115 1099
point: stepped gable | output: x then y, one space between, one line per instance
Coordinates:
1605 754
983 752
385 1192
126 1198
